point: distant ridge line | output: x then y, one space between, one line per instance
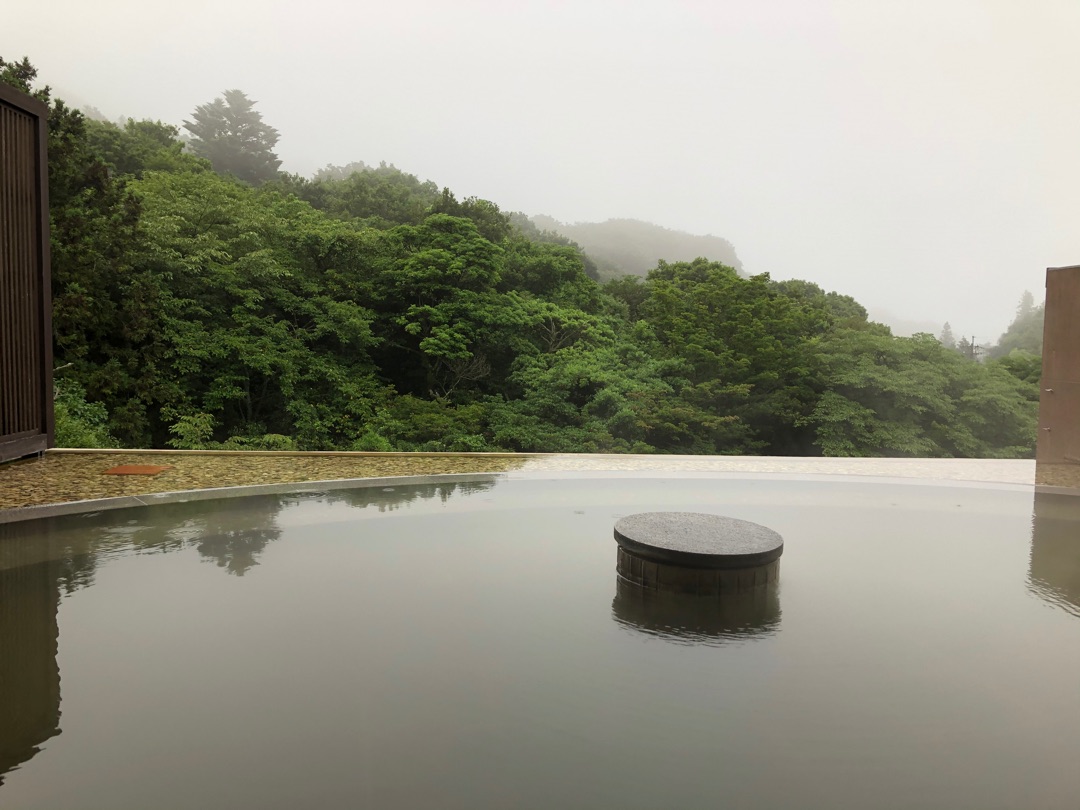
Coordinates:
633 246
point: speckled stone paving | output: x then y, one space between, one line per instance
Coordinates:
60 477
137 469
63 476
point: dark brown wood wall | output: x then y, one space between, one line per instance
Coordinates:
26 412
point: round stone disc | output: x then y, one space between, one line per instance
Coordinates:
696 540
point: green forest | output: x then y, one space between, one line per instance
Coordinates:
205 299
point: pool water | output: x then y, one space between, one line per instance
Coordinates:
466 644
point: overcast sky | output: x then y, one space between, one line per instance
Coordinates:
920 155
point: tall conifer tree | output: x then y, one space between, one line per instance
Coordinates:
231 134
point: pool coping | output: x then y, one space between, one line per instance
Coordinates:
42 511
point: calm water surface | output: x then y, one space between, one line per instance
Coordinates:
467 645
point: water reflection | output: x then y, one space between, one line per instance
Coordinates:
29 675
688 619
389 498
229 533
234 535
239 530
352 662
43 560
1054 572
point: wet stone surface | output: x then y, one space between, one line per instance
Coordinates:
697 540
65 476
60 477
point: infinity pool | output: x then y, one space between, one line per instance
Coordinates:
465 644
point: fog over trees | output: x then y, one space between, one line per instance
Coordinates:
916 156
1025 333
230 133
632 247
204 299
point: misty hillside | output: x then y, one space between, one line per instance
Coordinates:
632 247
204 299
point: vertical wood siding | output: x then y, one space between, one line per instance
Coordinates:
25 297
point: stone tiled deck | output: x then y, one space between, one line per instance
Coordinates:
63 476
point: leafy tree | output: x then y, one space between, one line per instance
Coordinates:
382 196
232 135
747 346
139 146
842 309
255 336
631 291
553 272
413 424
1025 366
21 76
79 423
890 396
609 397
492 223
439 312
525 227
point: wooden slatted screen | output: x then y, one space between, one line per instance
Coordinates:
26 412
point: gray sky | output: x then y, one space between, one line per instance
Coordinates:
920 155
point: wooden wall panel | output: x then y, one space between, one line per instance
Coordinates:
26 415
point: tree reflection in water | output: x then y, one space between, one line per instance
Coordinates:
30 591
391 497
42 561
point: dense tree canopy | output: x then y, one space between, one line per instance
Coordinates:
915 397
205 300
